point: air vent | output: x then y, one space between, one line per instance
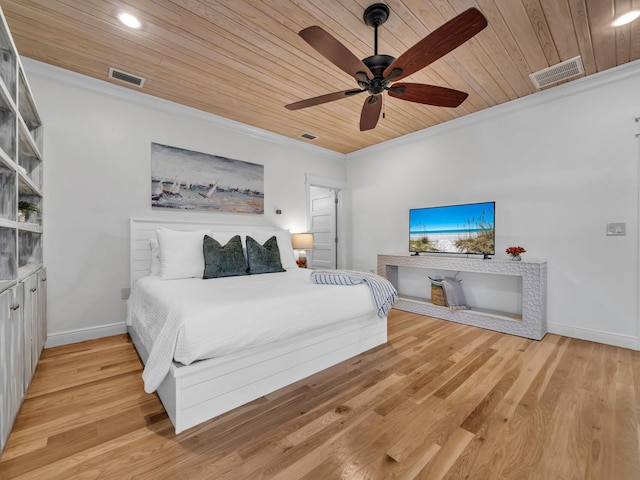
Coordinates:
308 136
126 77
557 73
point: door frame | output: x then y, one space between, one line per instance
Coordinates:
339 186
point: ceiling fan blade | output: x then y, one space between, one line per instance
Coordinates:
438 43
329 97
335 51
370 112
428 94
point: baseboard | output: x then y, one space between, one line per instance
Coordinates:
82 334
598 336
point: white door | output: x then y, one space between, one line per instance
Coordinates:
323 208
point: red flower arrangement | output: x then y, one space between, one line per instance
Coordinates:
515 250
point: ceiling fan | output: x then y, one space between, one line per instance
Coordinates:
374 74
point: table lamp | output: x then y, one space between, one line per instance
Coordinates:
302 242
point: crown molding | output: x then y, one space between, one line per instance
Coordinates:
35 68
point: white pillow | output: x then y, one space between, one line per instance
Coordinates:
181 253
287 256
155 257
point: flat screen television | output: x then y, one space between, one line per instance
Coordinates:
468 229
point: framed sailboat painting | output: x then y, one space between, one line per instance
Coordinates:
186 180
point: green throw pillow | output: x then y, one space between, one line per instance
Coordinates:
263 258
223 261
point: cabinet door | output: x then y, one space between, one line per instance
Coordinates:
11 363
5 376
26 337
30 322
16 363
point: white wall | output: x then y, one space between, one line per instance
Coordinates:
97 176
560 165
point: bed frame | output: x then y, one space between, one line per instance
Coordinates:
192 394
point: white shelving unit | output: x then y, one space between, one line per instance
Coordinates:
530 323
22 274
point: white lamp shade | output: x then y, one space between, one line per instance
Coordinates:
302 241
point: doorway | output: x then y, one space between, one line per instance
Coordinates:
323 223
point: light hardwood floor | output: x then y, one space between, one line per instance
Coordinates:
440 400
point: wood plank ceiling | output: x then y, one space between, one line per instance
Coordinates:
244 59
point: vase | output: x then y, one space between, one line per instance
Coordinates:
516 258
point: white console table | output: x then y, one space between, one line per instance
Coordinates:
531 324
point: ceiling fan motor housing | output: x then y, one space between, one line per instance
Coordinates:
377 64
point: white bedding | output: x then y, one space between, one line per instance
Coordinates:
193 319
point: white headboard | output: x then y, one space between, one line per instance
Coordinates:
142 230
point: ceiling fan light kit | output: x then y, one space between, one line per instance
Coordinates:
374 74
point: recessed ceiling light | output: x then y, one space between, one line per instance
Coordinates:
626 18
129 20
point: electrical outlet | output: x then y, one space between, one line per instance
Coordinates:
616 229
125 293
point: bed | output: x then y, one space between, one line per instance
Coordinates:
332 324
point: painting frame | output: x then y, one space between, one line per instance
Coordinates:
188 180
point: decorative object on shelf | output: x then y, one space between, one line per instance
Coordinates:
26 210
302 242
514 253
183 179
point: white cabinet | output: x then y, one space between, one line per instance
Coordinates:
12 355
22 277
23 331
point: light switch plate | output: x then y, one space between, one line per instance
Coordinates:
125 293
616 229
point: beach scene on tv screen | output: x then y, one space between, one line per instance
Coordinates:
453 229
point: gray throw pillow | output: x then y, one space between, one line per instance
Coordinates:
454 294
263 258
223 261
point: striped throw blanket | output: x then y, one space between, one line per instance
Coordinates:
382 291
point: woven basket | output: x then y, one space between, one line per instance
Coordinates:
437 296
